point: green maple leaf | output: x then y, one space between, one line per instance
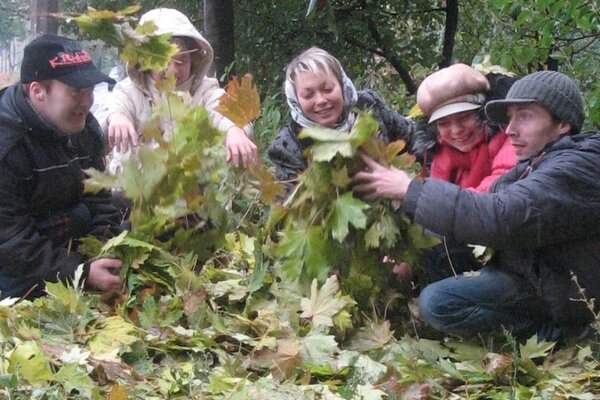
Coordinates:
113 336
328 143
363 129
75 377
331 142
100 28
318 350
368 369
383 229
347 210
340 177
304 251
31 363
140 184
151 52
532 349
99 180
323 303
418 239
326 151
316 252
291 248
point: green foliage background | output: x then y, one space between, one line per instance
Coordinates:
391 46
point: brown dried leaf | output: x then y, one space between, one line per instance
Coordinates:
261 179
240 103
497 364
118 392
416 391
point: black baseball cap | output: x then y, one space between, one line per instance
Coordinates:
56 57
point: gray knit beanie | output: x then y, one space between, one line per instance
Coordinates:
554 91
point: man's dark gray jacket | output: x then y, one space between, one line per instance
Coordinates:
542 217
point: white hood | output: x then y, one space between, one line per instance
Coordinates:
173 22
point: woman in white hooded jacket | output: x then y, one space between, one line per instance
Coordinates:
129 107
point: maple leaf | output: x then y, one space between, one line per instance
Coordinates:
533 349
316 253
374 337
383 229
30 362
118 392
383 153
240 103
317 349
328 143
365 127
284 362
347 210
113 336
262 179
368 369
340 177
151 52
323 303
302 248
139 183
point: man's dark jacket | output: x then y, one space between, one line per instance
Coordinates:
42 204
542 217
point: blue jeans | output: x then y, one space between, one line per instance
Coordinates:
490 301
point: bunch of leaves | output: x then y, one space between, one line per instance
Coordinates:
173 184
325 229
140 46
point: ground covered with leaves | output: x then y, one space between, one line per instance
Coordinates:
235 293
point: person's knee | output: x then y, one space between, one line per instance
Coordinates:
432 306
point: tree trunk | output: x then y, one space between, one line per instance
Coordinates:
218 30
449 32
42 21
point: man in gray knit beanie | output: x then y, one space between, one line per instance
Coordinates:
541 218
554 91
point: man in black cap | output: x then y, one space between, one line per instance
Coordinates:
542 218
47 139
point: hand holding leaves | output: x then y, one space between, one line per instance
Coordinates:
377 181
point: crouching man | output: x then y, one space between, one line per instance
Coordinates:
541 217
47 139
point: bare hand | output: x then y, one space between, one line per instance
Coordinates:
378 181
102 274
241 151
121 133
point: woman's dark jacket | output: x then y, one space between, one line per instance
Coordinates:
42 204
542 217
287 149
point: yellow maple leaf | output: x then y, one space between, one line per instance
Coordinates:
240 103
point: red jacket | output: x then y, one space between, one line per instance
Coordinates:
479 168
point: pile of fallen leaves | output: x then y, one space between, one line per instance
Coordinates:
231 331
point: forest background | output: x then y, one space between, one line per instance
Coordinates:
389 46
